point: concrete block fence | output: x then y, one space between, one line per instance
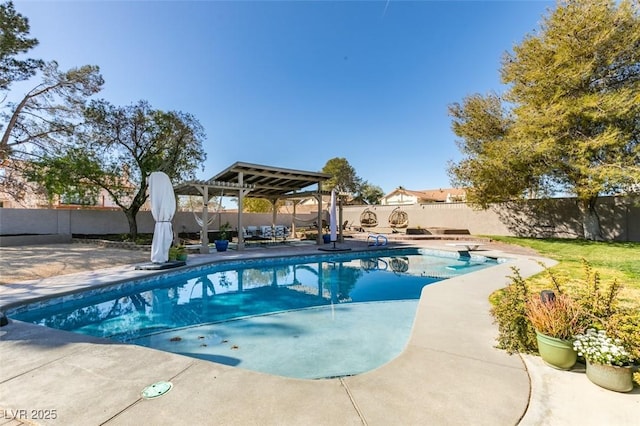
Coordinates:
560 217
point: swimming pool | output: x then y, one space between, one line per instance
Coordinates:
306 317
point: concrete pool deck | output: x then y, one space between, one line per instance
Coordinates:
449 373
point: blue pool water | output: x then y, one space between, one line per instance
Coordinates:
307 317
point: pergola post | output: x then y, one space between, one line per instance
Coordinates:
241 194
240 206
274 213
204 237
318 196
293 219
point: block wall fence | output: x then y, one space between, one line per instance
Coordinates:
558 217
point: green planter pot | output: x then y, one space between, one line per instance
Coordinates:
612 377
556 353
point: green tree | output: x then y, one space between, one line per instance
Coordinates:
116 150
494 169
14 42
568 120
256 205
343 176
44 117
259 205
48 112
369 194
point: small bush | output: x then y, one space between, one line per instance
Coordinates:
515 332
625 325
173 253
601 303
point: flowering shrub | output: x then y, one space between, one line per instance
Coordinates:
598 348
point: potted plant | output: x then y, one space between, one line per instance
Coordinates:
556 319
609 364
177 253
181 253
222 243
173 254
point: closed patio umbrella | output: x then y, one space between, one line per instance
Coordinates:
163 207
333 219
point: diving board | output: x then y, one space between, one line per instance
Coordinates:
470 245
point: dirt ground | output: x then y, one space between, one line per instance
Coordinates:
36 262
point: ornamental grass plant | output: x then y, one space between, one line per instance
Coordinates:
560 317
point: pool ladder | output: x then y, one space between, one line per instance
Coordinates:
376 240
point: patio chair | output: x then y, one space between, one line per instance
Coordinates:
266 231
281 232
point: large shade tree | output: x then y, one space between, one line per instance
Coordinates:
48 113
14 43
52 107
343 176
45 116
368 194
116 150
345 179
569 120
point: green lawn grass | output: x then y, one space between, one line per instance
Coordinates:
612 260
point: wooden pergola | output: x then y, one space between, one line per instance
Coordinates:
258 181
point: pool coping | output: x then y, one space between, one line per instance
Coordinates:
19 298
450 372
20 293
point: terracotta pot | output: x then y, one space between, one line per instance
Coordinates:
612 377
556 353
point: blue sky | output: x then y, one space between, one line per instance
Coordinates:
294 84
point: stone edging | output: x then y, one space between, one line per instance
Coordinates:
112 244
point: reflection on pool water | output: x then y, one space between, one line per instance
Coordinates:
307 317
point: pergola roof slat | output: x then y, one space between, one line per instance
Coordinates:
261 181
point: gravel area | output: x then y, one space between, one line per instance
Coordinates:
35 262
